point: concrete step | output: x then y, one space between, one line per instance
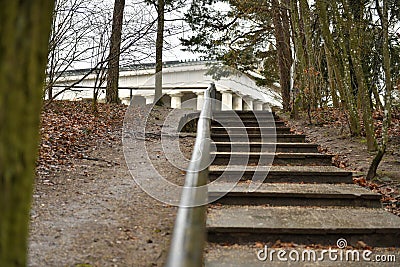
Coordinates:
265 138
245 117
302 225
281 174
260 119
250 130
266 158
266 147
289 194
247 123
240 112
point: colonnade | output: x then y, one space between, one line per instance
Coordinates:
229 100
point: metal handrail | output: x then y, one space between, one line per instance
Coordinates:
189 233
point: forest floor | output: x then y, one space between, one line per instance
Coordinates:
89 211
329 129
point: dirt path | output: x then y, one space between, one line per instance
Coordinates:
92 211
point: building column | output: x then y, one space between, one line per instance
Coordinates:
266 107
200 100
176 100
247 103
237 102
149 99
226 100
258 105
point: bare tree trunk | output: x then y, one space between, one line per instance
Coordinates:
344 76
51 69
300 56
383 14
113 58
281 23
51 76
313 95
339 63
354 27
378 103
159 52
331 77
24 35
99 80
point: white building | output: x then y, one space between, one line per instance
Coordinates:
182 81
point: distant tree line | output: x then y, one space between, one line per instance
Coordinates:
106 35
340 53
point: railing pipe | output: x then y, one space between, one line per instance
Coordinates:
189 235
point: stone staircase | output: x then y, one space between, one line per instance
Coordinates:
303 198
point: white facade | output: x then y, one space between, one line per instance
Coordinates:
181 82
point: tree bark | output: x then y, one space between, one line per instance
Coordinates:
378 103
300 56
342 71
383 14
313 92
353 25
281 23
331 77
113 58
51 55
24 35
159 51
